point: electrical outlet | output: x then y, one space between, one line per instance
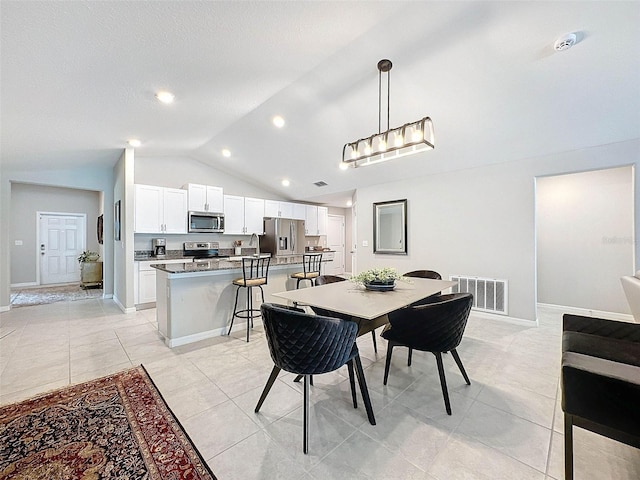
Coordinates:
18 242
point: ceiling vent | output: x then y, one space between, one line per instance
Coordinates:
320 184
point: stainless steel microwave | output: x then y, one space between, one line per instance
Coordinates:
206 222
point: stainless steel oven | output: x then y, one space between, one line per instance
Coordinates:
206 222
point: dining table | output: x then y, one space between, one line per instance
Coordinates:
369 308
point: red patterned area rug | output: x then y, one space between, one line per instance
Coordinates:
116 427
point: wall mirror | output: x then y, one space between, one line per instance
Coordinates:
390 227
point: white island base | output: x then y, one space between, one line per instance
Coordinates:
193 306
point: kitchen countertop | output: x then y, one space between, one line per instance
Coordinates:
231 263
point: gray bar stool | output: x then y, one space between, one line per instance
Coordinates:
254 274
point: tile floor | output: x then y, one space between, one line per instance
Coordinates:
506 425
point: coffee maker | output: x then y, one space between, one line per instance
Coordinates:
159 247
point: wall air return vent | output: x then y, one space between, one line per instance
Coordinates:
320 184
489 294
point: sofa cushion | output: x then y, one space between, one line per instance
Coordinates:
615 349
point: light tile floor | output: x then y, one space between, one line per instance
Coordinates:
506 425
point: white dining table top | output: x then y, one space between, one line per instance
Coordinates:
352 299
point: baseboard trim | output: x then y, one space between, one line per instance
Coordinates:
122 307
177 342
5 308
504 318
585 312
25 284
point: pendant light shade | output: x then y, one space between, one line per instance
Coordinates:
410 138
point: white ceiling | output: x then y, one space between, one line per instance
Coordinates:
78 79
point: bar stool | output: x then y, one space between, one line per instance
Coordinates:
254 274
311 263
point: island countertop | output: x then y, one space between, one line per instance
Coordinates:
222 264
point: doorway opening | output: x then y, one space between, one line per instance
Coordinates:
584 225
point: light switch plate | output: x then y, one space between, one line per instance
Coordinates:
365 243
18 242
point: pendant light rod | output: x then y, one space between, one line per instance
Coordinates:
385 66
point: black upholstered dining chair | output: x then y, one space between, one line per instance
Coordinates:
424 274
325 279
308 345
255 273
435 327
311 263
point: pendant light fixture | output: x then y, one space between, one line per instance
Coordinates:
410 138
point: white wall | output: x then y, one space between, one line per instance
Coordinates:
585 220
26 201
481 221
123 188
174 172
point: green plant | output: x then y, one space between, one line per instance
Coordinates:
88 256
378 275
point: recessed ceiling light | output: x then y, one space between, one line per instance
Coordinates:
286 183
226 152
278 121
134 142
165 97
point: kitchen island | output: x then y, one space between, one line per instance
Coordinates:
195 299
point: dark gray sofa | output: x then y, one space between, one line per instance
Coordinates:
600 380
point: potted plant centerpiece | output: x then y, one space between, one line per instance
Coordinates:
378 278
90 269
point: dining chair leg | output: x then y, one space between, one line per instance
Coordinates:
456 357
568 447
387 362
409 357
235 309
375 346
352 383
299 377
272 378
364 390
305 420
443 381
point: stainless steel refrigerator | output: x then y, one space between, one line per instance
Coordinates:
283 237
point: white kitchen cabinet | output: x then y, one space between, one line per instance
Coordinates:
299 211
278 209
160 210
144 284
311 220
254 215
315 221
323 220
243 215
205 198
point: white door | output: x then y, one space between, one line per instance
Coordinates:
336 242
62 240
354 239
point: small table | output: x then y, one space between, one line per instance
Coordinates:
352 299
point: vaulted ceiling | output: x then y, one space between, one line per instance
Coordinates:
78 80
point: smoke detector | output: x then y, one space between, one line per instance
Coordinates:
565 42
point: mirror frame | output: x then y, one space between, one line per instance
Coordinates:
378 209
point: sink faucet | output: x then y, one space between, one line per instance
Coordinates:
255 235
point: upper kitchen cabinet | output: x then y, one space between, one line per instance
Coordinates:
205 198
316 220
299 211
243 215
323 220
160 210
